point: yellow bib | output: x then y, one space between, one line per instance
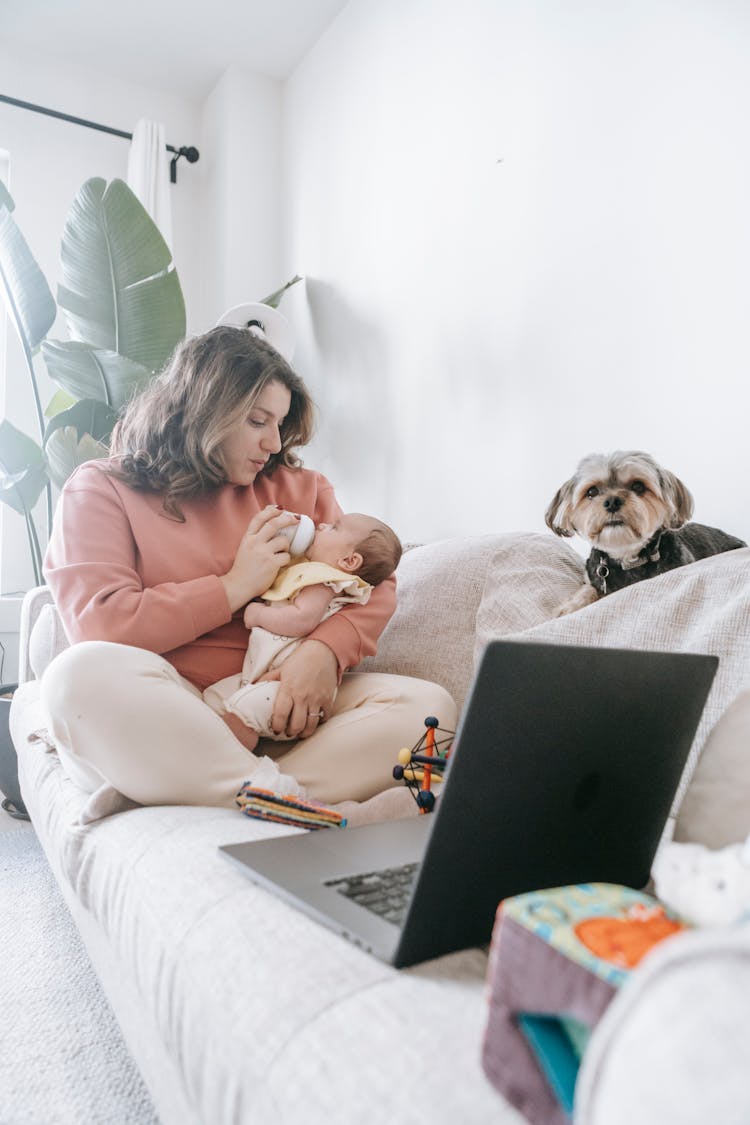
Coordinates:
302 572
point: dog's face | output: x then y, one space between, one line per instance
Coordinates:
618 502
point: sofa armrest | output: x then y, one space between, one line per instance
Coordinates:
672 1047
41 634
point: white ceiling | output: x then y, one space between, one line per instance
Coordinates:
178 45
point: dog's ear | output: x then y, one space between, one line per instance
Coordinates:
558 514
678 497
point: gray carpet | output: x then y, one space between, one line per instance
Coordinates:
62 1057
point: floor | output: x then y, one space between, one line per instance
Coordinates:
64 1061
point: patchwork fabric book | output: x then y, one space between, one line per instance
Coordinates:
267 805
557 959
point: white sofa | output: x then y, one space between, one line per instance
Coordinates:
237 1008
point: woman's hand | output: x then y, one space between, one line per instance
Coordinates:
307 686
261 554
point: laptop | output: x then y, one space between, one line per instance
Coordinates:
563 770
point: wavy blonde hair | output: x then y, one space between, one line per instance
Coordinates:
170 438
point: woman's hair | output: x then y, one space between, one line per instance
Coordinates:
381 553
169 439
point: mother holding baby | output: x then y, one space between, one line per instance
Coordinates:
154 556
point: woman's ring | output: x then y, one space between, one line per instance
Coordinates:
316 714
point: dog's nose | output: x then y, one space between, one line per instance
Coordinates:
612 504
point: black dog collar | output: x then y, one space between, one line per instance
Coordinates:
603 563
647 554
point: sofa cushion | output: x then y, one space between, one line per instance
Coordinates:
703 607
449 589
47 639
673 1045
716 809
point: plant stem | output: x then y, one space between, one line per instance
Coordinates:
40 420
34 548
34 386
48 490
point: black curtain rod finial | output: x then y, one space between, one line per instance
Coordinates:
190 153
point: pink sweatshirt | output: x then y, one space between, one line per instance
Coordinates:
121 569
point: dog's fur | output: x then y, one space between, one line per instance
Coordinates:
634 514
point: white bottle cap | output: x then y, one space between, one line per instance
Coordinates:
300 535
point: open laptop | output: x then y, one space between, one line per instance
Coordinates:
563 770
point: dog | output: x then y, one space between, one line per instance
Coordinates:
634 514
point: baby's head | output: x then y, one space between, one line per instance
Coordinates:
359 545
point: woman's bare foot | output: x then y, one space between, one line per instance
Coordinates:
392 804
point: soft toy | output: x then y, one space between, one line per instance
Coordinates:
705 887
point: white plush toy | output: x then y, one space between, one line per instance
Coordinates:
705 887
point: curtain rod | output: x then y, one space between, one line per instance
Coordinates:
190 153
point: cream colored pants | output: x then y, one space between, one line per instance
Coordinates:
124 717
253 702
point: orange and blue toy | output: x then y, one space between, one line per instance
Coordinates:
424 763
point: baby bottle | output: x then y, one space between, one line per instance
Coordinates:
300 535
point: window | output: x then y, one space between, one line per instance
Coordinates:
13 549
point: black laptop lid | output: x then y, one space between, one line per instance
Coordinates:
570 759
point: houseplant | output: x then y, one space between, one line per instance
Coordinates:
124 310
122 302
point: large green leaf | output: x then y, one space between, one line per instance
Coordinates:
87 417
274 298
30 303
65 450
60 400
23 474
119 291
89 372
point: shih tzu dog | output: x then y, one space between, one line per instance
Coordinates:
634 514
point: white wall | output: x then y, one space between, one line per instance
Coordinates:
523 227
241 146
525 232
49 161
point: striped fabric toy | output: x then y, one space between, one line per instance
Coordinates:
267 805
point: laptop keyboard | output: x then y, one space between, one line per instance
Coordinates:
384 892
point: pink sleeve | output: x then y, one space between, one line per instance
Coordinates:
352 633
90 566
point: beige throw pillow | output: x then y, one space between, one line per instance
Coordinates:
453 590
703 607
716 809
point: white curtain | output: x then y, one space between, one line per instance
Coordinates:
148 174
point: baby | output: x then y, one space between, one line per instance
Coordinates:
340 566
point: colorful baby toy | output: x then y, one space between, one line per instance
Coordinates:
425 763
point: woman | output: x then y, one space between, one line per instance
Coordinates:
155 553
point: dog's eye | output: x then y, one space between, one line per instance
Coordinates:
638 487
592 492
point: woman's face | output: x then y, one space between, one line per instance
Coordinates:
246 449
